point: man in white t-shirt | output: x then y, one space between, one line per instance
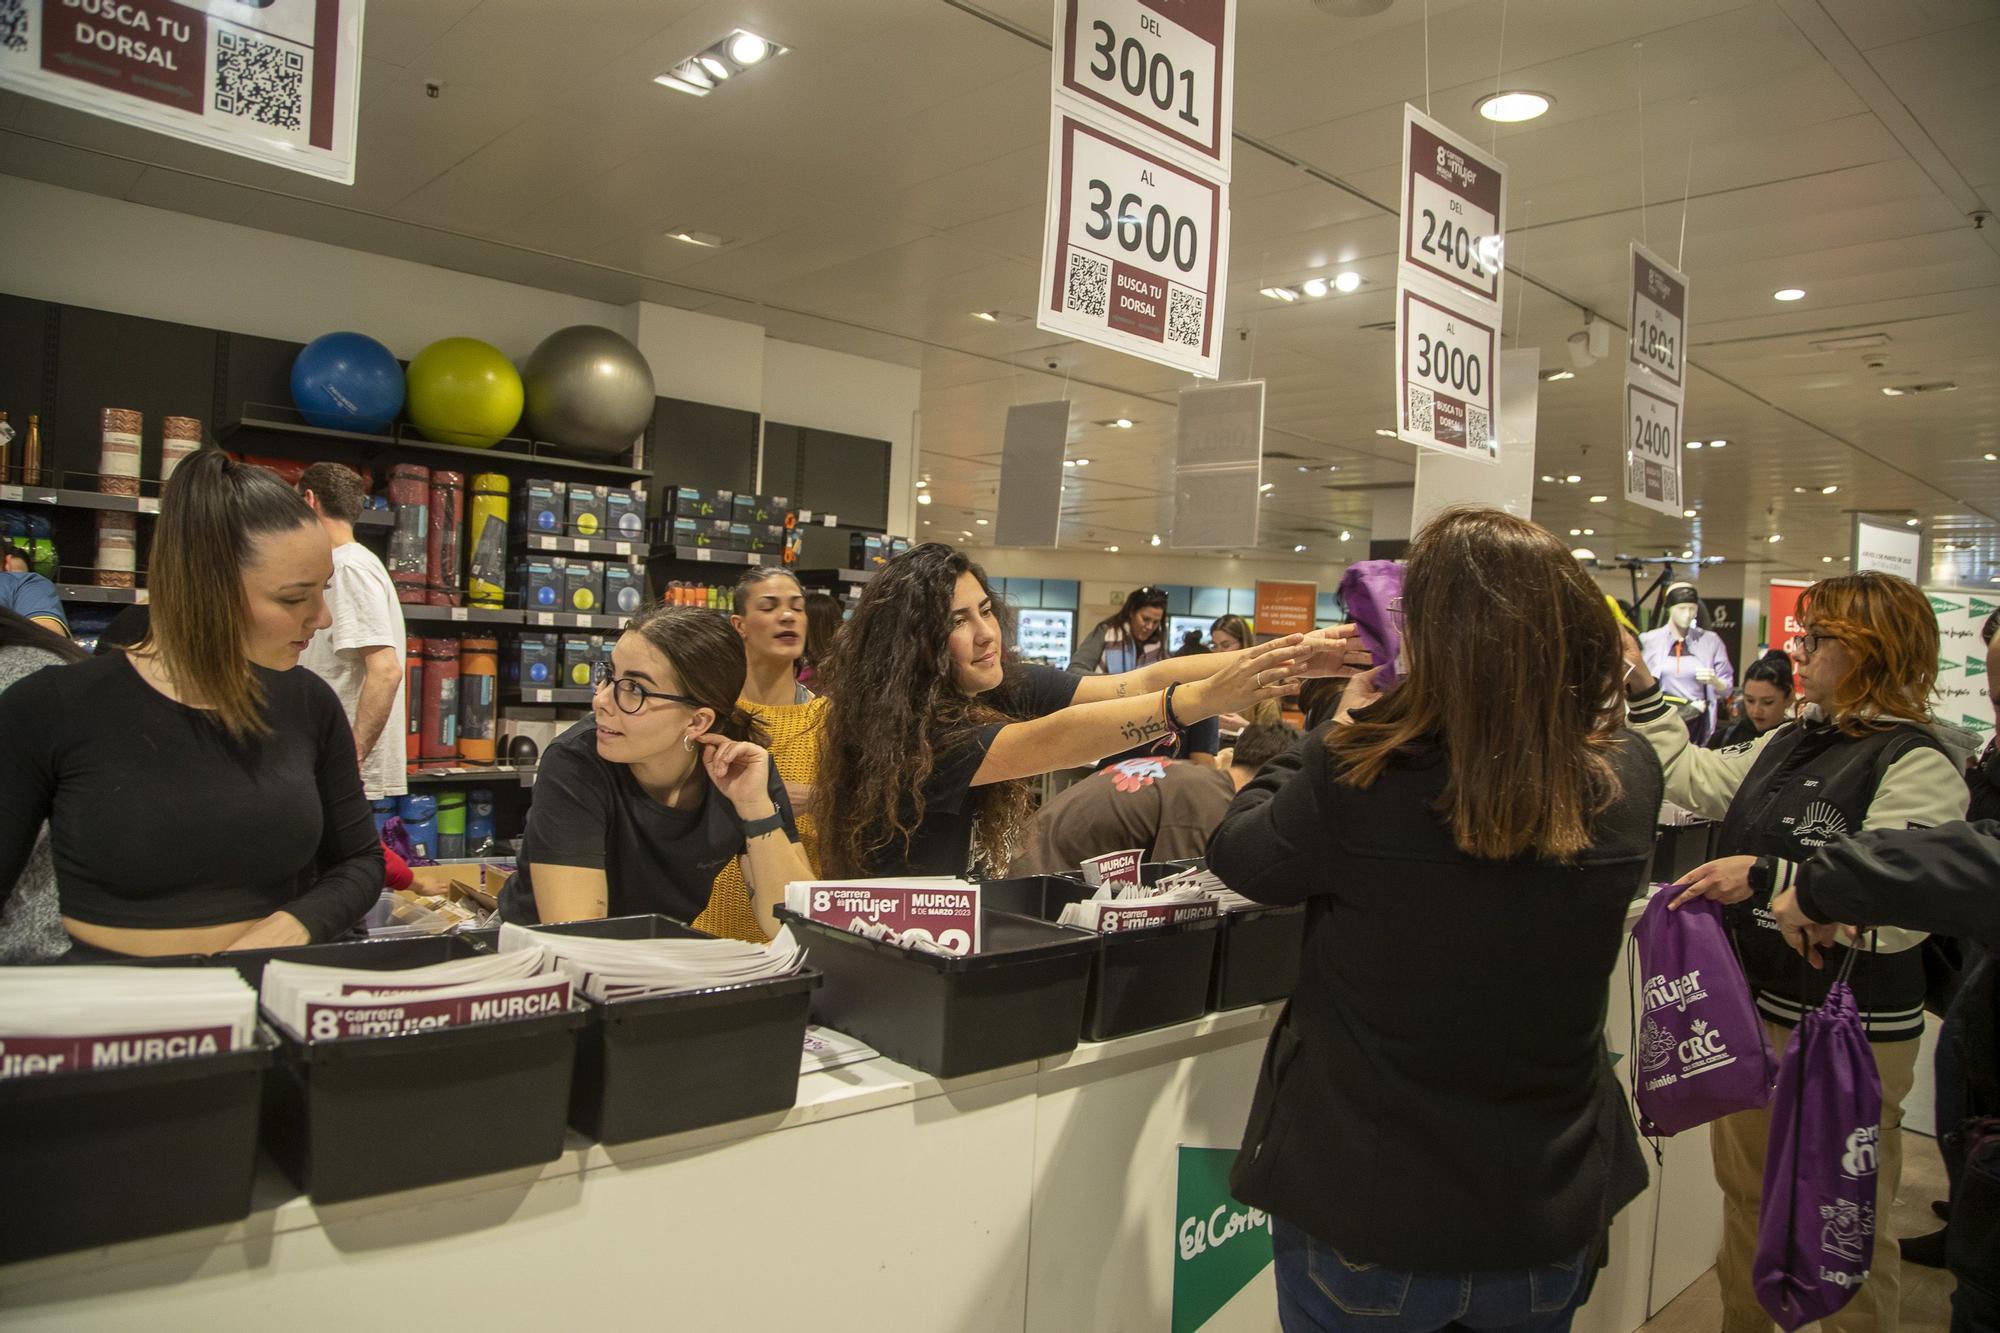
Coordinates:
361 653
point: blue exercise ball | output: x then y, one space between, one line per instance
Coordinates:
347 381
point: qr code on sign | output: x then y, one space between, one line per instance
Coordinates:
1184 317
259 79
1478 427
1420 409
1089 285
14 24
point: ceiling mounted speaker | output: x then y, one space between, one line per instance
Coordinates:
1351 9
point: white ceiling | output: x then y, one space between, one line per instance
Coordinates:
886 179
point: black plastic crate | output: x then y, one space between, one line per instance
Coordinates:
1019 998
387 954
668 1063
100 1156
1139 979
1258 959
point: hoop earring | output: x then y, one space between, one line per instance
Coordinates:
687 741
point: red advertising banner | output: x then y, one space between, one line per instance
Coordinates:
1781 605
1285 608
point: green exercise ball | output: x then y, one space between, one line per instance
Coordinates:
465 392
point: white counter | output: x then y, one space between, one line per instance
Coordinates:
1040 1196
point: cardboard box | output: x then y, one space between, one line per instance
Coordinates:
583 586
586 509
624 513
578 657
531 662
624 590
539 507
539 579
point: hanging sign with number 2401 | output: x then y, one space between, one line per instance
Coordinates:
1454 209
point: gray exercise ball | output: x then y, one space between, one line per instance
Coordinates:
589 391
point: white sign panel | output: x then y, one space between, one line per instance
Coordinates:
1887 544
1658 324
1445 373
274 80
1454 209
1136 250
1962 697
1652 449
1218 465
1163 69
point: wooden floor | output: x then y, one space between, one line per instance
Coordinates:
1926 1291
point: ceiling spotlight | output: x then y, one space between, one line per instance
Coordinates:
1083 462
701 72
1315 287
1156 540
924 482
1695 444
1546 477
989 316
1576 532
1826 560
1912 522
1551 376
1718 444
1345 534
1891 391
1992 457
1304 468
1267 486
980 521
1349 281
1599 499
927 522
1789 294
1510 108
1111 550
1775 538
1386 434
716 69
1285 294
1123 423
1299 549
924 498
1687 555
707 240
747 48
1584 553
1590 532
1828 490
1689 513
1573 478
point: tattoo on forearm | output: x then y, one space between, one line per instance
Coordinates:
1138 732
1122 687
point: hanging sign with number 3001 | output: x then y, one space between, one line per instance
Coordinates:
1162 73
1445 348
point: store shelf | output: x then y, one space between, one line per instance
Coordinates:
535 696
256 433
572 620
839 575
631 550
376 518
704 555
499 773
807 519
462 615
90 592
61 499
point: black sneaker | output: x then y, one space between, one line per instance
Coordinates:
1925 1251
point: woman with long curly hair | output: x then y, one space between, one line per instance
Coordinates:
931 733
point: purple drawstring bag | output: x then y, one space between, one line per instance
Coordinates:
1700 1052
1372 591
1817 1232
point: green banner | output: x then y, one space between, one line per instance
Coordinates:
1219 1244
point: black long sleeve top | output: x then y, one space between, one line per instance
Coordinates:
158 819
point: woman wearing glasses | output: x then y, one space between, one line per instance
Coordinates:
1860 756
640 805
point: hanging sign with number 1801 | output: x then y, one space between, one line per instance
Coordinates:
1162 70
1659 322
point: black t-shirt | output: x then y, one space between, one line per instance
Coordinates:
942 841
592 813
1203 737
159 820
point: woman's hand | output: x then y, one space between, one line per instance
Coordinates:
1253 675
280 930
1335 651
1363 690
1724 881
1801 931
740 771
1640 678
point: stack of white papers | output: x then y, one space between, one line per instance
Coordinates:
937 915
1205 881
62 1020
826 1049
327 1003
632 969
1126 904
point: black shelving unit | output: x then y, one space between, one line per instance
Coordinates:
530 695
500 774
597 546
854 576
707 555
88 592
462 615
56 498
266 430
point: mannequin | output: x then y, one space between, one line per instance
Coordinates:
1690 661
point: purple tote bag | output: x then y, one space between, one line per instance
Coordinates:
1817 1232
1700 1053
1372 591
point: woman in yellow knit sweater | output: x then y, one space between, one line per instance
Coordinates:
770 614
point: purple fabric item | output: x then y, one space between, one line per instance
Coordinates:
1701 1053
1372 590
397 839
1817 1232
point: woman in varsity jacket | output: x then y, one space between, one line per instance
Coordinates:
1861 756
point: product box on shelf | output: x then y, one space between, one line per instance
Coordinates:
540 580
744 510
684 532
540 507
896 546
739 537
712 532
583 586
624 590
767 538
865 550
579 654
586 510
532 663
624 513
697 502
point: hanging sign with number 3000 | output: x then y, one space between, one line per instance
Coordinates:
1161 72
1444 371
1454 209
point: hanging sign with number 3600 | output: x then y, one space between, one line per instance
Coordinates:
1454 209
1445 349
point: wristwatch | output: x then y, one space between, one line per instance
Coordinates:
757 828
1762 871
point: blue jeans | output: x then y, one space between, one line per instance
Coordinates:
1320 1290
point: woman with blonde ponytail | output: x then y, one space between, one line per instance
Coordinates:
201 794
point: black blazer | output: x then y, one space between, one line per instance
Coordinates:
1438 1096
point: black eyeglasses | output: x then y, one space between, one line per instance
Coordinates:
629 694
1811 642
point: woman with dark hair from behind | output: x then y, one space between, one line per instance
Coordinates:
1767 701
201 795
641 804
823 617
1133 638
931 733
1466 871
31 929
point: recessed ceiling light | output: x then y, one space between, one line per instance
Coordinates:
1315 287
1345 534
1718 444
1388 434
718 61
1069 462
685 81
1687 555
1599 499
1992 457
747 48
986 315
1267 486
1083 462
927 522
921 484
1279 293
980 521
1156 540
1828 490
1775 538
1111 550
1304 468
1695 444
1789 294
1689 513
716 69
1299 549
1891 391
1349 281
924 498
1551 376
1584 553
1576 532
1511 108
1546 477
1826 560
1573 478
707 240
1912 522
1123 423
1590 532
